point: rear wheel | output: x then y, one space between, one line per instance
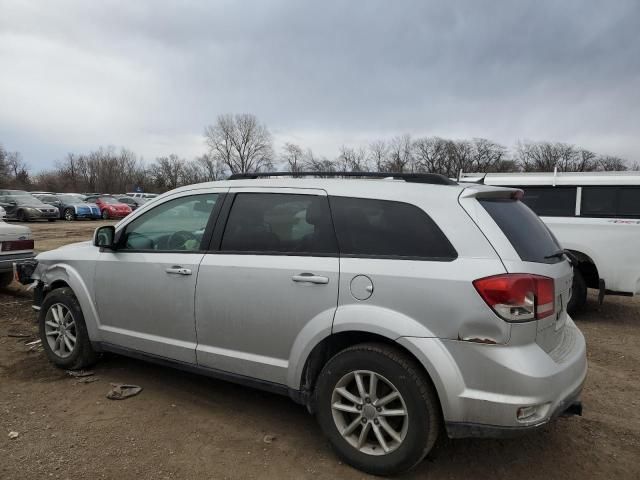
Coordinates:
5 279
63 331
578 293
378 409
69 214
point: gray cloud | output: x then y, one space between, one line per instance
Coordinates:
149 75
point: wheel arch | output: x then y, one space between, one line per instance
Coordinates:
324 350
587 268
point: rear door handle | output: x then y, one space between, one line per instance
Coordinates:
310 278
176 270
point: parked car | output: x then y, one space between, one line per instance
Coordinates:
109 206
594 215
131 201
73 206
146 196
24 207
3 213
390 308
16 245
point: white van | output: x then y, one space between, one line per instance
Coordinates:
594 215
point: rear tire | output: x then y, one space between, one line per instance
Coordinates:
578 293
396 372
5 279
69 348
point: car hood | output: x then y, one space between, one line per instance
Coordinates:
120 206
9 231
53 255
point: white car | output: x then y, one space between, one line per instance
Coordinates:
3 213
16 245
594 215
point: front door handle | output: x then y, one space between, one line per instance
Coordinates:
310 278
176 270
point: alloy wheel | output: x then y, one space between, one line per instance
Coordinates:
60 330
369 412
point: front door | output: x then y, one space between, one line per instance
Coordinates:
145 288
273 271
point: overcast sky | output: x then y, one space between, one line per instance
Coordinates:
149 75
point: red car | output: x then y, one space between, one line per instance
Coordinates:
109 206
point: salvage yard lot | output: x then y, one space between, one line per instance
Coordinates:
186 426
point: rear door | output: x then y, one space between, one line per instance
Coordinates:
525 245
273 270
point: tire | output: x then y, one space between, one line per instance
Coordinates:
5 279
20 216
69 215
578 293
418 400
60 301
105 215
52 219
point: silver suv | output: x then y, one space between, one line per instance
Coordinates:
392 308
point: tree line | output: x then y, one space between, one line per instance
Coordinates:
240 144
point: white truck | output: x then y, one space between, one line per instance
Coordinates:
595 216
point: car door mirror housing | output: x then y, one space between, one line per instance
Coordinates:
104 237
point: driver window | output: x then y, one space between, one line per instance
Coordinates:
176 225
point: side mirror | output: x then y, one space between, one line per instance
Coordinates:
104 237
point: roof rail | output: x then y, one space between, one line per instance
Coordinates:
432 178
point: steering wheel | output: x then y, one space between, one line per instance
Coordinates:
178 240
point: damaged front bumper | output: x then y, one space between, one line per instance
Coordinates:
23 273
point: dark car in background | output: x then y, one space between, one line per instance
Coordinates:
71 205
109 206
24 207
131 201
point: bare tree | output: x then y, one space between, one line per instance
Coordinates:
314 163
400 155
379 155
240 142
611 164
293 157
167 172
212 166
352 160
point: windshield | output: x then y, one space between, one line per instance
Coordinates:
25 199
109 200
72 198
47 198
530 237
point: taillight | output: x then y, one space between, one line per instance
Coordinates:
14 245
518 297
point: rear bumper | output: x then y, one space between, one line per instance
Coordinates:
7 261
481 387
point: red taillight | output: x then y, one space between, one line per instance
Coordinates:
518 297
14 245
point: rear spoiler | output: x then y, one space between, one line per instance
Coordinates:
489 191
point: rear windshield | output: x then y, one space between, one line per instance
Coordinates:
530 237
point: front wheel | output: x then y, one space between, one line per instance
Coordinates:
20 216
63 331
105 215
578 293
378 409
69 215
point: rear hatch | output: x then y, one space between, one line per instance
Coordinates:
525 245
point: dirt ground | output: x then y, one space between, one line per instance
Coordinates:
186 426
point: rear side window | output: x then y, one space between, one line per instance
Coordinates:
610 202
551 201
279 223
381 228
530 237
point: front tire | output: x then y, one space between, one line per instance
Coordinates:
378 409
105 215
69 215
63 331
20 216
578 293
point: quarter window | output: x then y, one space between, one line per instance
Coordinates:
279 223
175 225
381 228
